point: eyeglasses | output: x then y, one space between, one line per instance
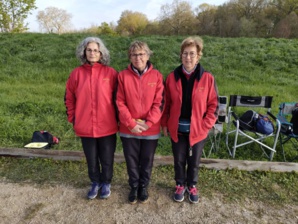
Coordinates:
95 51
191 54
141 55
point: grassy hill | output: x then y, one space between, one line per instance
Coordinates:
35 67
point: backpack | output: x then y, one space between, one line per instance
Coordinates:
44 136
264 125
294 120
247 120
254 121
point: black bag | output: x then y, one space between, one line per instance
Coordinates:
248 120
286 129
184 126
294 120
44 136
254 121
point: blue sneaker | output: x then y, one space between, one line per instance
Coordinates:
179 193
92 193
105 190
193 194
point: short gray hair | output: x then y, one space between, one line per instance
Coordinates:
81 50
139 45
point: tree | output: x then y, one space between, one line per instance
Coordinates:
132 23
226 22
287 27
107 29
13 14
152 28
206 18
54 20
177 18
249 9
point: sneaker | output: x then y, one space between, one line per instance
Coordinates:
143 194
179 193
105 191
193 194
133 195
92 193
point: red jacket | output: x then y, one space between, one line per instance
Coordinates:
140 97
204 105
89 100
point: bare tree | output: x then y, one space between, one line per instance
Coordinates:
54 20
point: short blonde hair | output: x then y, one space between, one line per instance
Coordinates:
192 41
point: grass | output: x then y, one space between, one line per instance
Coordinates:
234 185
35 67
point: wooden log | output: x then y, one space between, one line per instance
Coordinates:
218 164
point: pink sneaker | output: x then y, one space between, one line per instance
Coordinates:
179 193
193 194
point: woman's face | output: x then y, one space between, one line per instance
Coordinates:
189 57
93 54
139 59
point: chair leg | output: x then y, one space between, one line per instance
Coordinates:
282 148
295 146
282 142
271 155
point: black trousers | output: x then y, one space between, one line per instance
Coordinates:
186 166
139 156
99 154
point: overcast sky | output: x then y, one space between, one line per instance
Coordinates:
87 13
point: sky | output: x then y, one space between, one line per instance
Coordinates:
87 13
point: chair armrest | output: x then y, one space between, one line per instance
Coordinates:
271 115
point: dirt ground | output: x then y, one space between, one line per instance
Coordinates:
27 203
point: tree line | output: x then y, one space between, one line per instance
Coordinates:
235 18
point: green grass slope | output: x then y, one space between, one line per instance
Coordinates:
35 67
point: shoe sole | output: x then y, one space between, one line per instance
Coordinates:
178 200
91 198
193 202
133 202
144 201
105 196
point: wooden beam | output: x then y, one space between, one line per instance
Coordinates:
218 164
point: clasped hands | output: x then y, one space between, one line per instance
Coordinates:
140 127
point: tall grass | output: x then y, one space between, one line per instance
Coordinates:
35 68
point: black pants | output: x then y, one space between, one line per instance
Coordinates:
187 175
139 156
99 154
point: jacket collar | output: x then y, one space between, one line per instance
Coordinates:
198 72
148 68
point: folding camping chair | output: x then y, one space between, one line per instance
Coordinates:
286 131
215 133
235 127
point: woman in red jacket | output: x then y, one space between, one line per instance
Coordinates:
190 112
90 107
140 103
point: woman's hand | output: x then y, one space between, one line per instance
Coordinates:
142 123
138 129
165 131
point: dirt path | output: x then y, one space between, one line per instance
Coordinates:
25 203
